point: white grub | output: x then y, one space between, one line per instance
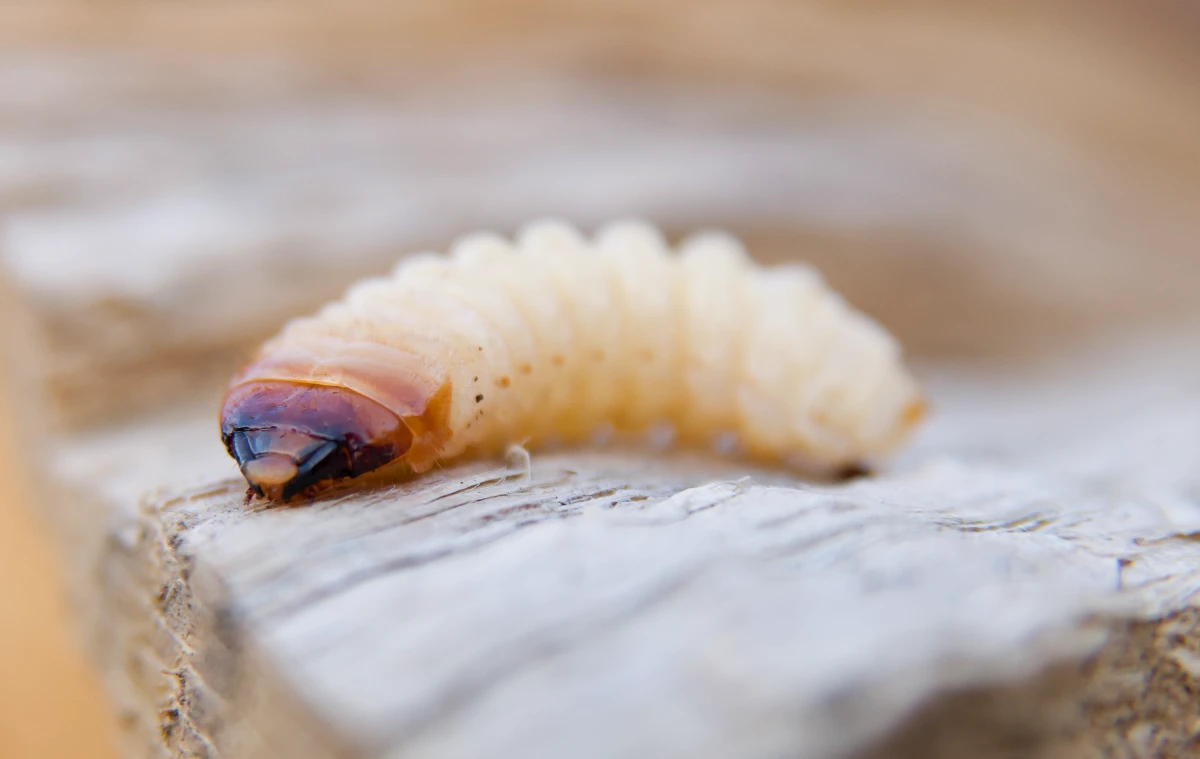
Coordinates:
555 338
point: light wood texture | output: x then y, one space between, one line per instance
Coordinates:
1020 584
994 183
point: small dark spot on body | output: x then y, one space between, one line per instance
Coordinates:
503 381
479 397
475 379
479 347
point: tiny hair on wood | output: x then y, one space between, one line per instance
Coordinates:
554 336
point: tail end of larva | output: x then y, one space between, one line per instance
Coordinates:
915 412
870 460
904 426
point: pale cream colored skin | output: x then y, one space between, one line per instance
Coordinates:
561 336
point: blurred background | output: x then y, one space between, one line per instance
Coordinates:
997 182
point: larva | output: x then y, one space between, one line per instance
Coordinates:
555 336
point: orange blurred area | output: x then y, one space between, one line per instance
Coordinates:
51 702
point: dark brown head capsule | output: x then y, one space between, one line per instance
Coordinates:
288 437
313 409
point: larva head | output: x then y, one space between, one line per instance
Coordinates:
288 436
312 409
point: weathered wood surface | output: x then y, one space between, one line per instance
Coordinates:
1020 584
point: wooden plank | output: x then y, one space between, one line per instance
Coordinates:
164 211
1024 576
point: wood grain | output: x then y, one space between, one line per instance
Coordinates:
1022 583
998 182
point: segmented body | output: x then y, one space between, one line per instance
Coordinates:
557 335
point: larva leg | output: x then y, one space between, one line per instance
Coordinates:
518 454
